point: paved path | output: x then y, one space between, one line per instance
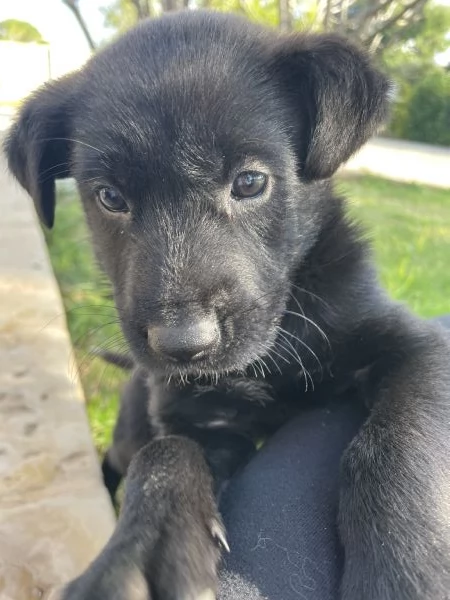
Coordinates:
55 515
404 161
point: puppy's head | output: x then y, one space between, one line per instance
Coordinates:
200 143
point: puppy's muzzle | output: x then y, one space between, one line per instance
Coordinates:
184 342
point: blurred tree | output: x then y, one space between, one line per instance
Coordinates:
377 24
284 15
123 14
422 109
73 6
428 118
120 15
405 35
19 31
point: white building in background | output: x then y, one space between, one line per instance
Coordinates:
23 67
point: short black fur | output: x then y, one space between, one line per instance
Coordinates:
281 287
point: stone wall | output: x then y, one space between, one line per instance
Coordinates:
55 515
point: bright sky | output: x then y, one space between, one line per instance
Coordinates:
58 27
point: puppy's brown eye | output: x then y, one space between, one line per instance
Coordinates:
111 200
249 184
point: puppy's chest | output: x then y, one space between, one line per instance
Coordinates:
244 406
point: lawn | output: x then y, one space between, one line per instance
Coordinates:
409 226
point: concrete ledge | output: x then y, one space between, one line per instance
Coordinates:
55 515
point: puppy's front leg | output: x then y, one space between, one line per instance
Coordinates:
167 542
395 498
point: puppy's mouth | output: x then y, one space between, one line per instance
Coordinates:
202 348
209 342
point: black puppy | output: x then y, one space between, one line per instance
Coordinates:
133 428
202 146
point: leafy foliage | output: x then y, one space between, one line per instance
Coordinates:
423 99
378 24
19 31
428 115
405 35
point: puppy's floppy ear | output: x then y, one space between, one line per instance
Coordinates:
340 98
37 145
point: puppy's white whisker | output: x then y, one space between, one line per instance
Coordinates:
304 344
258 364
304 317
296 354
294 350
309 293
296 300
51 169
73 140
265 365
277 366
272 349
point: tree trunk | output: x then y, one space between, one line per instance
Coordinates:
327 15
142 8
73 6
284 16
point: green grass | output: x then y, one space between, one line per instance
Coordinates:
91 317
409 225
410 229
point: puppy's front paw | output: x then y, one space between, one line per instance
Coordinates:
116 578
169 537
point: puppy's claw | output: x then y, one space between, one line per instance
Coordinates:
207 595
219 534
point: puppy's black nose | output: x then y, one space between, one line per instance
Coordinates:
184 343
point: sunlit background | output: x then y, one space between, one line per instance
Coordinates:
410 37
